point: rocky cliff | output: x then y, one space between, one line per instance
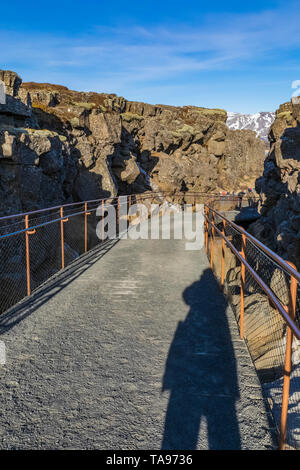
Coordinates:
58 145
279 226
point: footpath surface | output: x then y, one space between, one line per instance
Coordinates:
132 348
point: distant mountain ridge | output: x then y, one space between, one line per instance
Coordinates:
258 122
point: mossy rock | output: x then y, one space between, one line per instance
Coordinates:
43 107
128 117
88 106
210 110
284 114
74 122
287 116
186 129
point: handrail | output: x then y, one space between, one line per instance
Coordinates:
287 312
146 195
274 299
64 236
293 272
141 196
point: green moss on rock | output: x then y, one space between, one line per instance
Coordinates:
211 111
284 114
183 130
128 117
84 105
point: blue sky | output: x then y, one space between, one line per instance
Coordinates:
241 56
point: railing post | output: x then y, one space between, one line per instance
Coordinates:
242 287
223 255
62 238
27 233
206 211
102 220
86 214
212 240
62 221
129 205
118 213
85 227
287 363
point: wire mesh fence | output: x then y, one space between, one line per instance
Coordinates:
254 291
35 246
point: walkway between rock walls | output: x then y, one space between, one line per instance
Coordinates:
132 347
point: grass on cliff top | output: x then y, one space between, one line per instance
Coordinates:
128 117
43 86
210 110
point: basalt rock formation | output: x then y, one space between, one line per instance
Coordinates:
59 146
279 226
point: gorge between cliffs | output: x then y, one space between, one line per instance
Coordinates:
59 146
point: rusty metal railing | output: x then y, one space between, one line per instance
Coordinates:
36 245
263 290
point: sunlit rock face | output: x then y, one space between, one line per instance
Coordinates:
59 145
279 186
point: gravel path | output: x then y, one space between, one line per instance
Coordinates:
135 349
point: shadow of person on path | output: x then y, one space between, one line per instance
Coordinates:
201 374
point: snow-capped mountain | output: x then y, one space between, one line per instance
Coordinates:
258 122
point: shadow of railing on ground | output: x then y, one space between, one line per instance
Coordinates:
53 286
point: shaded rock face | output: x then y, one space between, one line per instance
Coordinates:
59 146
279 226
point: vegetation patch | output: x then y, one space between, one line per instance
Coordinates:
128 117
75 122
183 130
88 106
284 114
43 107
43 86
37 132
211 111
